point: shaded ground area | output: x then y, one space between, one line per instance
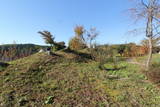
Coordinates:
3 66
62 81
154 76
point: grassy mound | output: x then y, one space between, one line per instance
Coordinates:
62 81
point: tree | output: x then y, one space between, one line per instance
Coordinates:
79 40
121 49
91 35
83 38
48 37
79 32
155 44
148 10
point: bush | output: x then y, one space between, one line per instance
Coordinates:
99 54
104 55
58 46
76 44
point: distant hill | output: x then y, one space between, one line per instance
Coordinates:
9 52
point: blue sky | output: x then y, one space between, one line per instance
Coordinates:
20 20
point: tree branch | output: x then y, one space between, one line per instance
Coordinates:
144 4
156 19
156 30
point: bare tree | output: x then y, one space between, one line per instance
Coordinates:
150 11
155 42
92 34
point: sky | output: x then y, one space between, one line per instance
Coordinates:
20 20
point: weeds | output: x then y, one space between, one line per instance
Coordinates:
49 100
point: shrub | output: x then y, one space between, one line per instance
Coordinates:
58 46
99 54
105 55
76 44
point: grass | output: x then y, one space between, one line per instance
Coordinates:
61 81
1 68
155 58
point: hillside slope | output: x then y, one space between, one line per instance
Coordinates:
63 81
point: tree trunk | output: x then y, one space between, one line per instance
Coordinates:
90 44
149 54
149 34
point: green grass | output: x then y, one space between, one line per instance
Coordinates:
1 68
44 81
155 58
